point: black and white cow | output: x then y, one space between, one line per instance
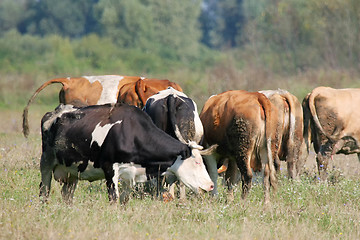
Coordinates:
113 142
175 113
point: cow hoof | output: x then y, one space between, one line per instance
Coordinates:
167 197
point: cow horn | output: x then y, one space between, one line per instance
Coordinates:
209 150
194 145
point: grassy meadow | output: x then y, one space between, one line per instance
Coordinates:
304 209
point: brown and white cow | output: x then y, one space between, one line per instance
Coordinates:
243 124
292 148
96 90
331 123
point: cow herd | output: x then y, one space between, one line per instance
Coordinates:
134 129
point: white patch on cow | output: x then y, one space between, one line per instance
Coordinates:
99 134
130 172
109 84
199 128
115 179
57 113
178 134
164 93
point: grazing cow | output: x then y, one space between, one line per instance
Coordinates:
112 142
176 114
136 93
330 122
243 125
292 147
97 90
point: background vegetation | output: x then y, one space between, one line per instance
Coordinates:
206 46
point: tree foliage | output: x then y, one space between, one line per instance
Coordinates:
285 36
66 17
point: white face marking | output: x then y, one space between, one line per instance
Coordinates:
191 172
109 84
60 111
99 134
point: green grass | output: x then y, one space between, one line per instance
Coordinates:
304 209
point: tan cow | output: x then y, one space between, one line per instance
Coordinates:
331 123
243 125
289 129
136 93
96 90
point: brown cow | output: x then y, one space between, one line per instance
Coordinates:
243 124
96 90
330 122
136 93
290 130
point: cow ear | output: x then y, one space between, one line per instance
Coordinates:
186 153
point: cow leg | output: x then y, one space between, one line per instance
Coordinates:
172 190
291 168
246 175
231 175
322 159
182 190
68 190
266 184
212 169
126 191
112 178
46 169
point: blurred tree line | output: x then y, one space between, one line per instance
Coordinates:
137 37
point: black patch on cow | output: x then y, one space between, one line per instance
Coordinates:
349 146
171 112
238 137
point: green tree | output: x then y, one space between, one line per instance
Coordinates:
66 17
11 14
167 28
222 23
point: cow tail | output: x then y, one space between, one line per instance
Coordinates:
314 115
140 89
295 122
306 117
63 81
271 138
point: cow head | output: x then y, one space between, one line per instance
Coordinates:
191 171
